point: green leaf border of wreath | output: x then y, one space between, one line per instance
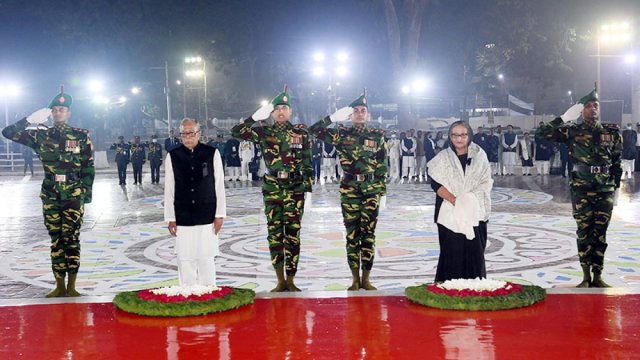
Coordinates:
529 295
130 302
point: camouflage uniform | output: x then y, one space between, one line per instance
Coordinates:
596 156
66 154
362 153
286 152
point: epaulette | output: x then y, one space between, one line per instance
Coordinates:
300 126
342 127
377 131
612 127
84 131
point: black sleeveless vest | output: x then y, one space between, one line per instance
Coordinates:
195 193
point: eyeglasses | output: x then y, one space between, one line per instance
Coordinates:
189 134
459 136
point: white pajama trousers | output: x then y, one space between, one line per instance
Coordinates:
196 248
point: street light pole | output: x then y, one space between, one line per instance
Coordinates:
168 92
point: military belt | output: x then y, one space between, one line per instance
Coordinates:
284 175
358 177
591 169
62 177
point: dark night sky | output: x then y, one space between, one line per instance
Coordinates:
44 43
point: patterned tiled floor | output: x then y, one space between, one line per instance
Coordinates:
125 244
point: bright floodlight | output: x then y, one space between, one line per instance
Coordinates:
341 71
122 99
569 92
406 89
501 76
264 102
178 82
342 56
630 58
135 90
319 57
96 86
318 71
419 85
9 90
194 73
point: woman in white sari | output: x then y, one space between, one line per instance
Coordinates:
461 179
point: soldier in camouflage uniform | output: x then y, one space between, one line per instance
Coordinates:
138 158
155 158
595 150
66 154
362 155
122 158
289 174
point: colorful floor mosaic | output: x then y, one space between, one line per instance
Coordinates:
131 249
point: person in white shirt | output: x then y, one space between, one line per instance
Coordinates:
393 153
247 151
194 205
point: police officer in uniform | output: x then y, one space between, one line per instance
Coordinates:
138 158
595 150
361 151
66 154
155 158
123 156
288 177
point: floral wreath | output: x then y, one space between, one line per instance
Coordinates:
475 294
183 301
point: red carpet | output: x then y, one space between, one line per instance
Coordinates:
561 327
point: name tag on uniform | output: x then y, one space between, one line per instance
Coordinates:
296 141
72 146
61 178
370 145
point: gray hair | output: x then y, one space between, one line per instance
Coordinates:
188 120
469 132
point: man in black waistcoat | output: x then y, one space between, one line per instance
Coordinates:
194 205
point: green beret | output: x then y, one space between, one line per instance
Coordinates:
592 96
61 100
361 101
283 98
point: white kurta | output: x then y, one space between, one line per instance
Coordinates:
197 245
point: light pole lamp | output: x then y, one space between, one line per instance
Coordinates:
617 33
337 69
196 67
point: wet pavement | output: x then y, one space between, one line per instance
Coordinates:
125 244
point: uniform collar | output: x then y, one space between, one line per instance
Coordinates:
359 128
61 128
281 126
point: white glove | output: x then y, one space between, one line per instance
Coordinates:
616 195
307 201
383 203
341 114
263 113
39 116
573 113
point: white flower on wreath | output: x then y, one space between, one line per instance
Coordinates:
185 291
476 284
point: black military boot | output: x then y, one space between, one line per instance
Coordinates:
597 280
586 277
365 284
282 285
290 285
60 289
355 280
71 286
